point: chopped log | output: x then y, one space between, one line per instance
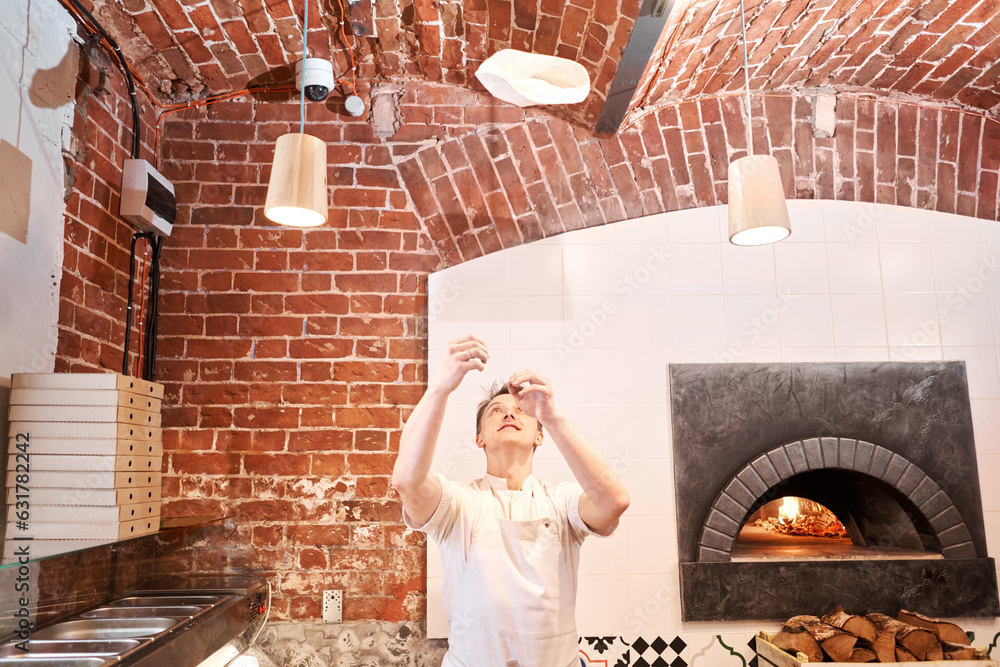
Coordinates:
863 655
794 638
936 653
902 655
885 646
835 642
857 625
954 651
943 630
915 640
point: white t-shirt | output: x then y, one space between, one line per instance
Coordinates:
510 562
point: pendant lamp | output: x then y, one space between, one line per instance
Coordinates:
757 211
296 191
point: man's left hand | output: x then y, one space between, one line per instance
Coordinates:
533 394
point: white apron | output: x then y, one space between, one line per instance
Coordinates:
516 598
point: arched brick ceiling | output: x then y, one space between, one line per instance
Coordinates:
185 48
944 50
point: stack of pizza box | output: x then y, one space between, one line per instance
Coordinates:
84 459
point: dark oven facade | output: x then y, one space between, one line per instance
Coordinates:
887 447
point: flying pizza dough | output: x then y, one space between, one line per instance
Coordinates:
527 79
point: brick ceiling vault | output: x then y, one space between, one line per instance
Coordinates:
915 83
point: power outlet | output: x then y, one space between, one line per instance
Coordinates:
333 606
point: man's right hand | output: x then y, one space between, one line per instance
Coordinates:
462 355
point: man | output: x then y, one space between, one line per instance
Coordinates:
509 542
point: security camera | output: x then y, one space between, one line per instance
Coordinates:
316 75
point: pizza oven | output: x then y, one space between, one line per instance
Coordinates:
803 486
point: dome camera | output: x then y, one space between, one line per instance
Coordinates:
316 76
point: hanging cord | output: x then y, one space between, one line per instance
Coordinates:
128 74
746 77
154 309
302 86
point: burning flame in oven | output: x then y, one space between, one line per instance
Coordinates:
798 516
789 511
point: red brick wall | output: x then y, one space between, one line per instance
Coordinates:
94 282
292 357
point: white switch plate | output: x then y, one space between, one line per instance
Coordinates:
333 606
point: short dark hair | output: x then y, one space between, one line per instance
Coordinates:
498 388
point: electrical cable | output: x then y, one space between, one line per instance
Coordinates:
128 74
154 309
305 54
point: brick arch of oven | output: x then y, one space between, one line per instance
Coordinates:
753 486
524 175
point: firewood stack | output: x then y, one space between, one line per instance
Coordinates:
841 637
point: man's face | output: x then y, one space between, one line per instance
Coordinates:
503 424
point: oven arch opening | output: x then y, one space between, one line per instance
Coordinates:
890 503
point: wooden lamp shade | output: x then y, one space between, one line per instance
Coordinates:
757 210
296 193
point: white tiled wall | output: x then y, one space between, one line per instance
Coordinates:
603 311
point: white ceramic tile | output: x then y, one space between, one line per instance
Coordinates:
950 227
536 322
650 486
437 617
604 555
807 322
862 353
752 321
603 235
592 376
647 321
547 361
695 268
801 268
552 469
654 604
849 222
980 366
589 270
990 231
858 320
693 355
911 320
748 269
986 424
958 267
696 225
748 355
594 322
652 544
648 230
641 380
907 267
903 225
989 473
642 432
914 353
966 319
854 268
535 270
642 270
698 322
599 423
991 262
800 355
992 521
806 217
482 276
601 605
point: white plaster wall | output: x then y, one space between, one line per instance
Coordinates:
603 311
37 61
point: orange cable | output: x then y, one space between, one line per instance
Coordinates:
350 50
